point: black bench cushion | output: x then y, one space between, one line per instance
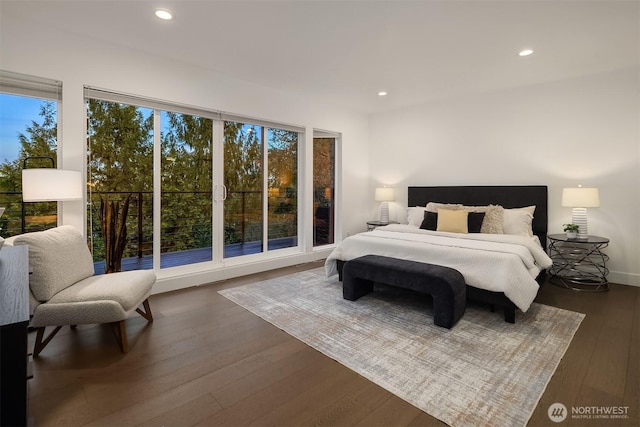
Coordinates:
446 285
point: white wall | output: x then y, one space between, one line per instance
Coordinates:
560 134
50 53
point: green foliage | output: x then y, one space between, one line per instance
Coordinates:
571 228
120 163
39 140
120 147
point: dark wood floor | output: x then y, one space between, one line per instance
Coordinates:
206 361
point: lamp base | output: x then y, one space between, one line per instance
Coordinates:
384 212
579 217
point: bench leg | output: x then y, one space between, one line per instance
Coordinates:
354 288
443 313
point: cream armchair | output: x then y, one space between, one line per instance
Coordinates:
65 291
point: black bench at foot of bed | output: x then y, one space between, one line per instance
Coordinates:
493 299
444 284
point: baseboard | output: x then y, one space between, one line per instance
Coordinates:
621 278
222 272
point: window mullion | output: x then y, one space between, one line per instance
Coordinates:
265 190
157 189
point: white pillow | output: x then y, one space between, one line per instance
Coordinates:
415 215
518 221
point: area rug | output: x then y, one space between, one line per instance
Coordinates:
483 371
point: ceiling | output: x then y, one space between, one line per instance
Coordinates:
345 52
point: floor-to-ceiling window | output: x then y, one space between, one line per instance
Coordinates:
160 197
186 181
120 175
324 190
261 181
28 139
282 183
243 172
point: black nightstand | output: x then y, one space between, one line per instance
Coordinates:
372 225
579 264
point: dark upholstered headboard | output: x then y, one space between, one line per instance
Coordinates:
513 196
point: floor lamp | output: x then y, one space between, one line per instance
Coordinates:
49 185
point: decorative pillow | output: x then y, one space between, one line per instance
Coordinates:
493 218
51 253
474 221
430 221
415 215
453 221
434 206
518 221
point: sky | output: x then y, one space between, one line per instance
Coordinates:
16 113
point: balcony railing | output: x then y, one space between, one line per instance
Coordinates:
186 224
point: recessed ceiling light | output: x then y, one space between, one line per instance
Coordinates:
382 93
163 14
525 52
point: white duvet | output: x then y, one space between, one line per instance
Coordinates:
495 262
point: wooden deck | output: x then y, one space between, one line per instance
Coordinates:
193 256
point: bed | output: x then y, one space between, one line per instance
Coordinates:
504 271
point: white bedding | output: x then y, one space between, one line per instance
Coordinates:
495 262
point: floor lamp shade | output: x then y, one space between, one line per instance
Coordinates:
384 195
47 185
580 198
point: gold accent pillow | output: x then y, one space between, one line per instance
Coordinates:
453 221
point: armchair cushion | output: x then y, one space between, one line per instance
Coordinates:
97 299
51 252
126 288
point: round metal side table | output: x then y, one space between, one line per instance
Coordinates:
579 264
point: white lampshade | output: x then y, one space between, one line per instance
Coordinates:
580 197
48 185
385 194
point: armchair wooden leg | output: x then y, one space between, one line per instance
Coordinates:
120 331
147 311
40 344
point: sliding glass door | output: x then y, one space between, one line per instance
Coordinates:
186 223
173 185
120 142
282 184
261 181
243 176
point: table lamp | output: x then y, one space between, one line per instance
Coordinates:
384 195
580 198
